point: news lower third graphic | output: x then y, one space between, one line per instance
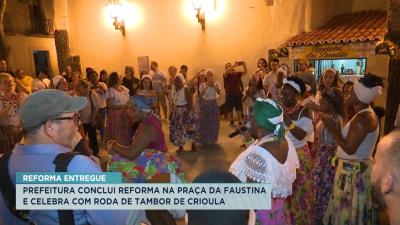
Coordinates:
101 191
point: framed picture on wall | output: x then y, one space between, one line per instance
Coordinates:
143 65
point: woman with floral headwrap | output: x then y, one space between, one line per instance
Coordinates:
351 200
299 125
330 103
209 110
271 158
183 125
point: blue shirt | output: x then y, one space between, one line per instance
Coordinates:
39 158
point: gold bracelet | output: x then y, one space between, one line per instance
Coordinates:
292 126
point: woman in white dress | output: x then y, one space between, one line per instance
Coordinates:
270 158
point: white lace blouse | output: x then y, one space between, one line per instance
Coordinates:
259 165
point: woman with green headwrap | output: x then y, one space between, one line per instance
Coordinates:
270 158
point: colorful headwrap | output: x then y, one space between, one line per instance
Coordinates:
142 103
269 115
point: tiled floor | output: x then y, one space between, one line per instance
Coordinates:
219 156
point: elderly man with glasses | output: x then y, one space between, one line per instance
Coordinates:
49 120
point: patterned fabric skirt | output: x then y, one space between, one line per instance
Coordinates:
351 201
9 136
118 127
208 122
147 165
274 216
322 175
182 131
299 204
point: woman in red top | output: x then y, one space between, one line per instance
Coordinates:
146 156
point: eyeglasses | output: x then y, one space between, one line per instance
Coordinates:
75 118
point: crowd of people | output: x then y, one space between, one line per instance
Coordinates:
313 141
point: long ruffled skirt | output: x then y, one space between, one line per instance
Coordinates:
208 122
299 205
118 127
351 201
323 174
181 131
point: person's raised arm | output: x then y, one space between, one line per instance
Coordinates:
227 71
244 68
298 132
358 130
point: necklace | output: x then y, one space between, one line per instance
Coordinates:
265 139
290 110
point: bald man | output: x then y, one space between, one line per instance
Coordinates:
385 175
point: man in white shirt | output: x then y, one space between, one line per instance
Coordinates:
41 81
270 78
159 84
